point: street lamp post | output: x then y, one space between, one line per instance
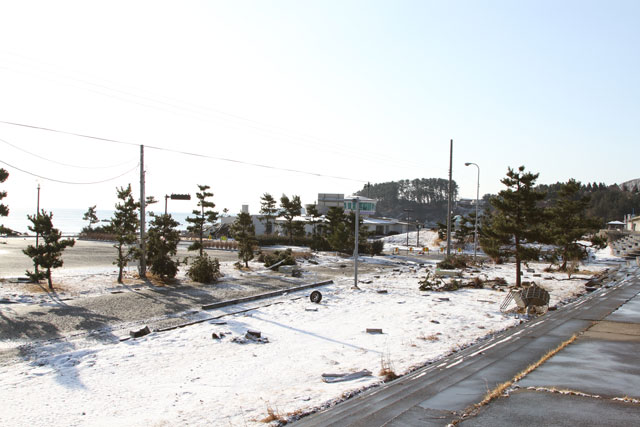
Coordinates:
407 211
356 202
37 232
475 238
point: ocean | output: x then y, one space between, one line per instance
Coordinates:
70 221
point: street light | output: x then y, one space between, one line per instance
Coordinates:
356 202
175 197
407 211
475 238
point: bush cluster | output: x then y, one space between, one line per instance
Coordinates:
272 240
204 269
271 258
453 262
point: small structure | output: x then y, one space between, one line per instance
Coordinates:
532 298
632 223
615 225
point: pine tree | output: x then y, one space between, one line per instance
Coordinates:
312 212
291 208
517 219
47 255
269 212
206 215
4 209
568 223
244 232
338 233
162 245
350 225
91 217
124 226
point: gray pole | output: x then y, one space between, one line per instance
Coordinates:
449 200
475 233
37 233
355 249
407 211
143 248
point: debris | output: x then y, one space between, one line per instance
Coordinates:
334 378
443 299
315 297
310 309
374 330
448 273
217 336
435 321
253 334
382 291
537 275
140 333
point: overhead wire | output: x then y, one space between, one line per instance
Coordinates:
273 131
61 163
70 182
187 153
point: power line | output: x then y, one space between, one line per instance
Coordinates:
200 112
60 163
69 182
186 153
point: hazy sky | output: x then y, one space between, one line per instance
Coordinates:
363 90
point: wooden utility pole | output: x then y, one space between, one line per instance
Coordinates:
356 201
449 199
143 246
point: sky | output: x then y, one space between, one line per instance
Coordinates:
328 95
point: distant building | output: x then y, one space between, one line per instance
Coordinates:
615 225
632 223
367 206
327 201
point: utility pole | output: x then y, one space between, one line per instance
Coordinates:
143 248
407 211
37 233
449 199
475 233
356 200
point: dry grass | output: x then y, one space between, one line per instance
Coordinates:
501 388
386 369
273 415
432 337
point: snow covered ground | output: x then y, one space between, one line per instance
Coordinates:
185 376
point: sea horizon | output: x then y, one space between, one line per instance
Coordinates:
69 220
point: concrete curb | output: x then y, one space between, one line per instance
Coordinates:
262 296
237 301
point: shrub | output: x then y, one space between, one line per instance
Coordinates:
454 261
204 269
376 247
271 240
272 258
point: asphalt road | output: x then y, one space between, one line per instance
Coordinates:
84 254
437 394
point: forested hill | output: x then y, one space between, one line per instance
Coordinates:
607 202
426 197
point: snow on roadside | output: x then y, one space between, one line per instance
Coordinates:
185 376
